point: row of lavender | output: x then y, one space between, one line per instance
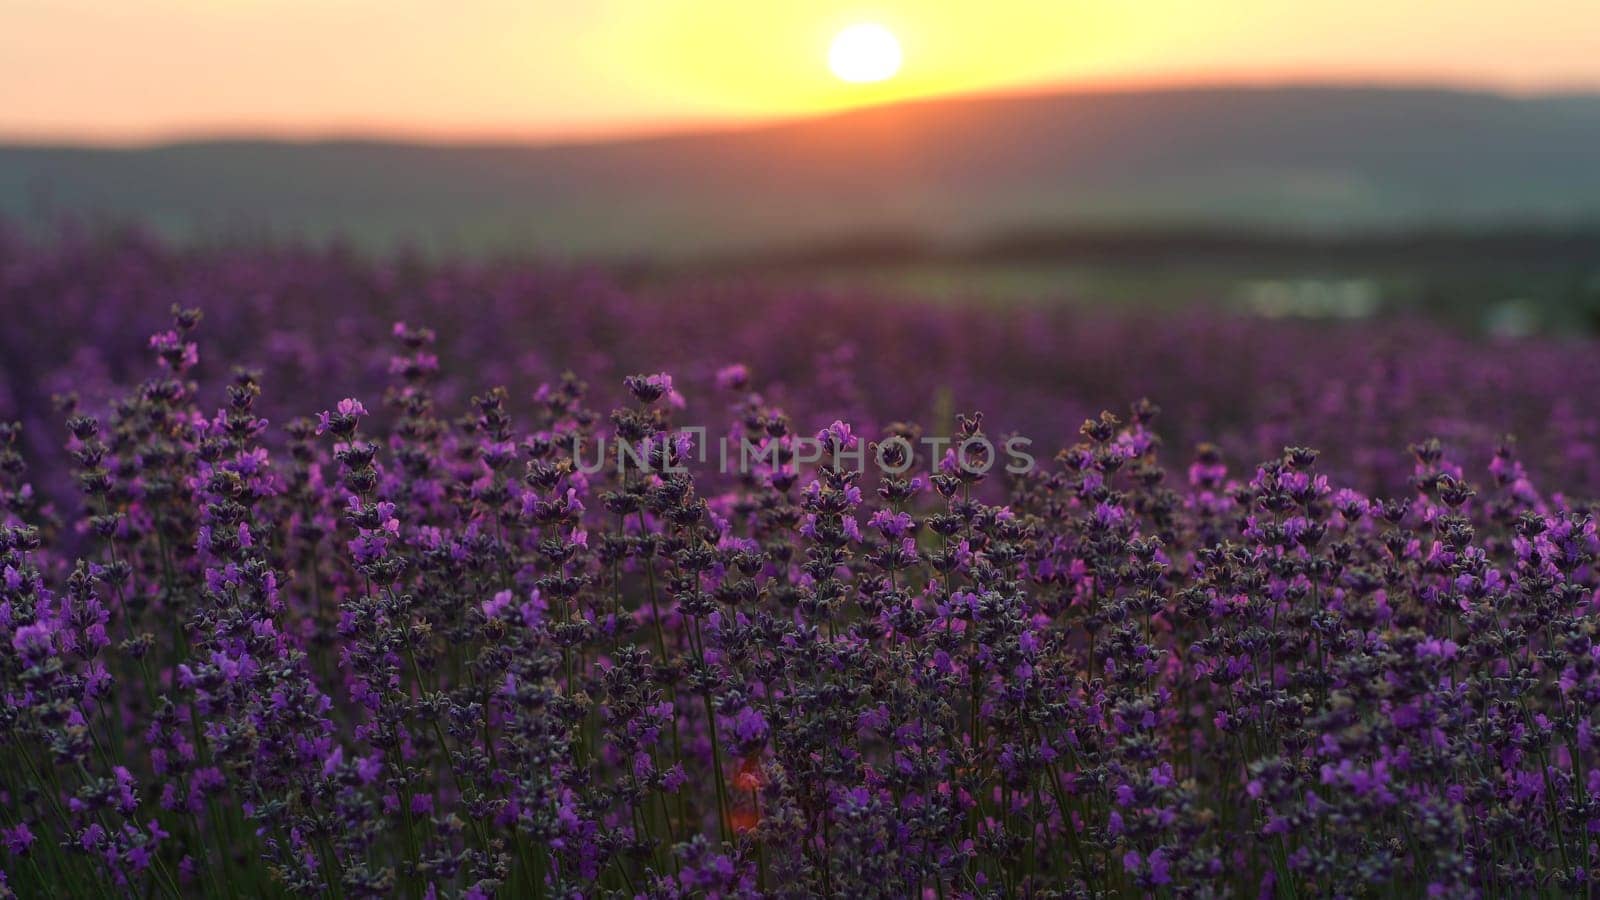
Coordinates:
423 644
312 322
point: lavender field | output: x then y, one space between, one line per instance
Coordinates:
339 576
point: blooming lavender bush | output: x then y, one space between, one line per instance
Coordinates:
430 636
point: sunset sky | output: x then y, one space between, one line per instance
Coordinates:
103 71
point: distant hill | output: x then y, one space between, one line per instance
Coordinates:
1314 158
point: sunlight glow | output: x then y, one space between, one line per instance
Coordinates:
864 53
542 69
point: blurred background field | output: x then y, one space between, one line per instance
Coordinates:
1479 209
869 344
1404 262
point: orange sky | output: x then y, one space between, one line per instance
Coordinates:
107 71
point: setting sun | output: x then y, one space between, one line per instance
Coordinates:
864 53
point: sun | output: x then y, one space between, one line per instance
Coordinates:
864 53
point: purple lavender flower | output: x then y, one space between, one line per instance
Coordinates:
429 650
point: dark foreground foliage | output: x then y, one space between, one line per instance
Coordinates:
411 646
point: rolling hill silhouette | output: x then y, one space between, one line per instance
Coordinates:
1321 159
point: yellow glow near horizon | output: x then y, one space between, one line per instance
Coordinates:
865 53
115 71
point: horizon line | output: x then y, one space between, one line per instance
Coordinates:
649 130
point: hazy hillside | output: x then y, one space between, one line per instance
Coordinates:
1308 157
